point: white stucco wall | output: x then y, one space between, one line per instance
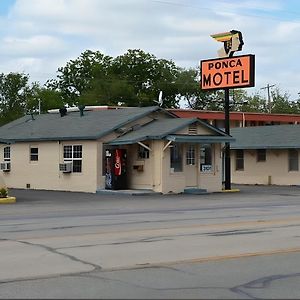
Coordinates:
45 174
274 170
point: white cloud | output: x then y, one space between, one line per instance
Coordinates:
32 46
44 35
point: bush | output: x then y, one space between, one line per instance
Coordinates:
3 192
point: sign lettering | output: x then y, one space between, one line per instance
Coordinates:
233 72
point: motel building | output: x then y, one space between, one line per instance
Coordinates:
266 147
93 150
266 155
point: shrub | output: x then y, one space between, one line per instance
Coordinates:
3 192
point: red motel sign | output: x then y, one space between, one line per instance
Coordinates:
231 72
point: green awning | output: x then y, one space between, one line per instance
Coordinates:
199 139
119 141
193 139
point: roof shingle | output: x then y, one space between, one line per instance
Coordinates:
93 125
266 137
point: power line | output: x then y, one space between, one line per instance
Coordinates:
263 15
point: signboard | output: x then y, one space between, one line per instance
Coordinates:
206 168
232 72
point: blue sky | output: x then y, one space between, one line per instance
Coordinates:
5 6
39 36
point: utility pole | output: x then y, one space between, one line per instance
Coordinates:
39 106
269 98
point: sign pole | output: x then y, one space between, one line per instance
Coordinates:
227 145
227 72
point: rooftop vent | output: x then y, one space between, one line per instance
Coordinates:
193 129
63 111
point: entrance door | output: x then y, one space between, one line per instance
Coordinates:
191 167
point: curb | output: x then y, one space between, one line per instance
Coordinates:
231 191
7 200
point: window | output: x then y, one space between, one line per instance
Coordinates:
206 158
6 153
293 160
176 157
239 160
143 153
73 153
260 155
190 155
34 154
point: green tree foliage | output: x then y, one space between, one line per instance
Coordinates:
77 76
133 79
42 99
281 103
19 97
246 103
148 76
14 91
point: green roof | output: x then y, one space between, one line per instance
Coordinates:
266 137
165 128
51 126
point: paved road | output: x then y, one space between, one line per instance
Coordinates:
222 245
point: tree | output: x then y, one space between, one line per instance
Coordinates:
134 79
14 90
108 91
148 76
281 103
76 77
43 99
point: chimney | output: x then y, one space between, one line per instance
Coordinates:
63 112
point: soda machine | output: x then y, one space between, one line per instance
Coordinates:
115 169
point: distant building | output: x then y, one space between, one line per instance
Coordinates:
238 119
266 155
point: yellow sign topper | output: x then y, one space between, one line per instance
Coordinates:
232 41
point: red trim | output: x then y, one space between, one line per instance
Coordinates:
235 116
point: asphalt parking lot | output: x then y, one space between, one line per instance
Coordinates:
246 191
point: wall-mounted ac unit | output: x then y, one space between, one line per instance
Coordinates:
5 166
65 167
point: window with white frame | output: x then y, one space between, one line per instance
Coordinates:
6 153
190 155
34 153
73 153
206 158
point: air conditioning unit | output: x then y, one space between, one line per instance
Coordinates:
65 167
5 166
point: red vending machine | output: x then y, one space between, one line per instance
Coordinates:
115 169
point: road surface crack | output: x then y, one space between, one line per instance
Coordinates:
55 251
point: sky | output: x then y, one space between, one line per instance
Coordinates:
38 37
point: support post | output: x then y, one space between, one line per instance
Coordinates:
227 145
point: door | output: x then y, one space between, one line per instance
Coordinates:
191 169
